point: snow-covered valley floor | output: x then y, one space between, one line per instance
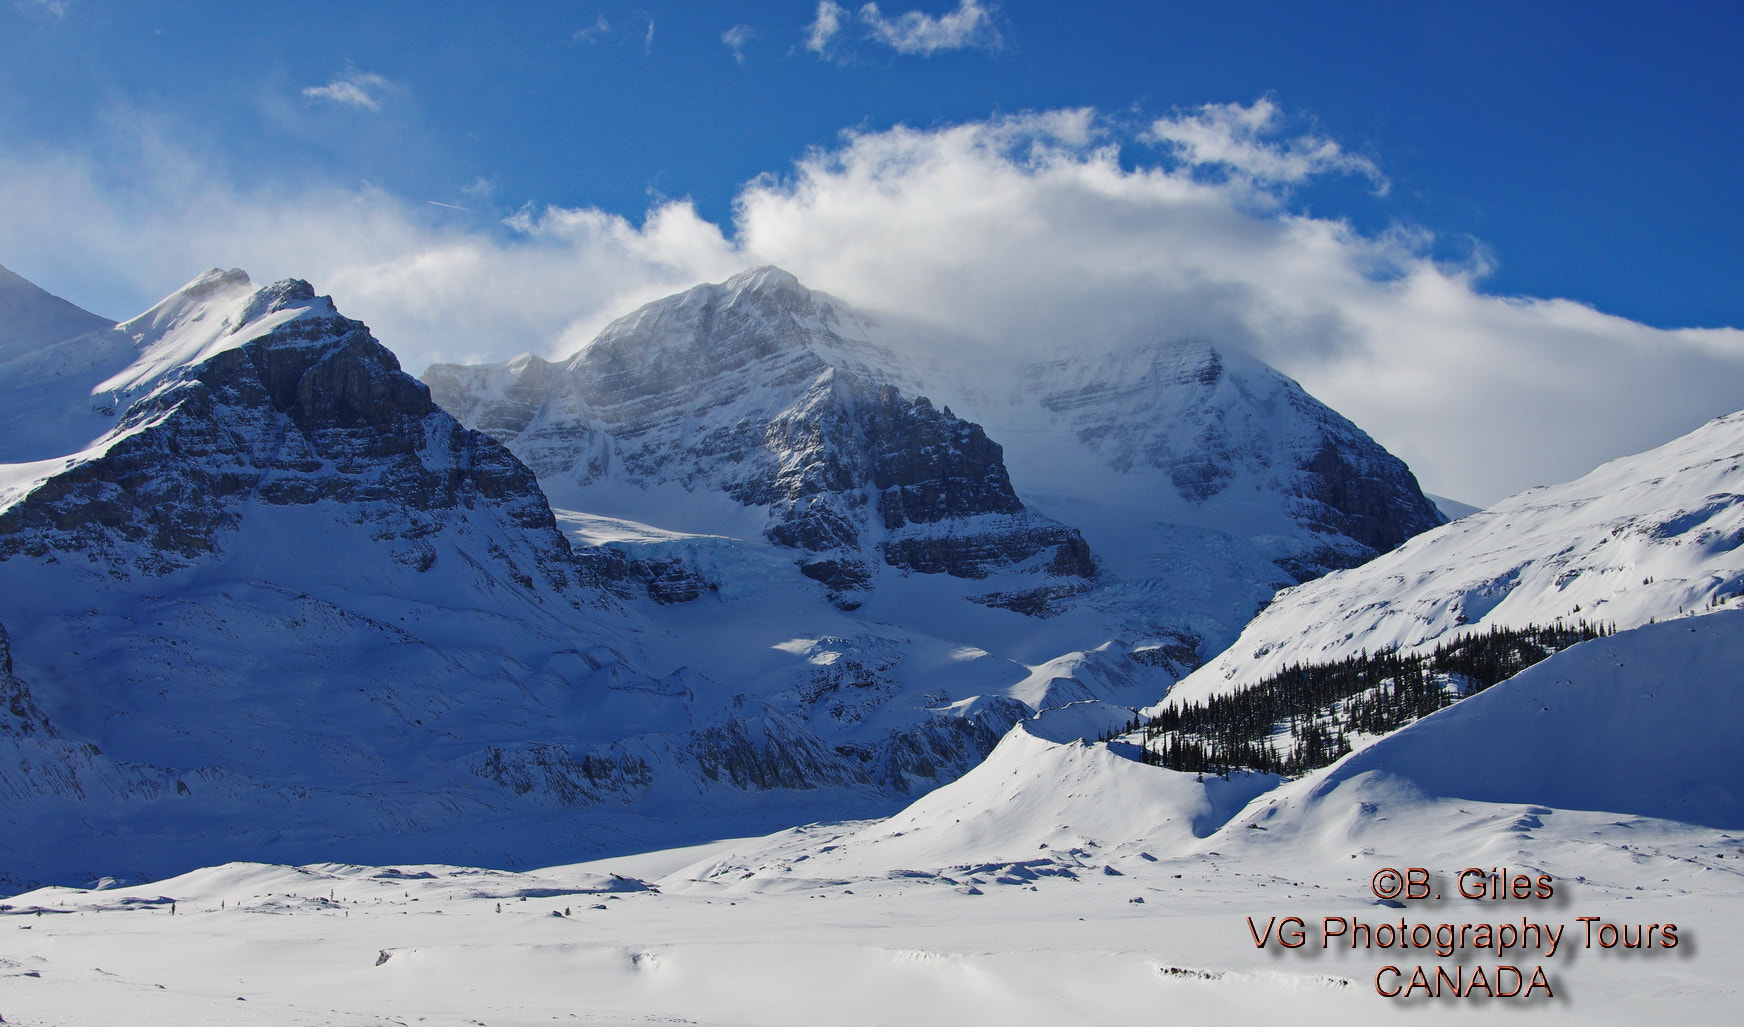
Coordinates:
859 923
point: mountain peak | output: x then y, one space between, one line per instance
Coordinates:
213 285
216 311
214 280
765 278
759 315
766 295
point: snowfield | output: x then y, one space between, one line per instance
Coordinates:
1056 883
774 931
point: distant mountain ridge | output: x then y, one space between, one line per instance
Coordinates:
30 317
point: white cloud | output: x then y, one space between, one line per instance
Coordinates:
354 89
1034 234
737 38
912 32
1238 139
1028 232
825 27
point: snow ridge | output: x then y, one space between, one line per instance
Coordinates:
1646 537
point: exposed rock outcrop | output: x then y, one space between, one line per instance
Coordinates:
19 714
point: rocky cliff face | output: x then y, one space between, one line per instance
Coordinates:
19 714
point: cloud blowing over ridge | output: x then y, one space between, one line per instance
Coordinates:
1040 232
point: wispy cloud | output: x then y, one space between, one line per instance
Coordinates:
592 33
1035 234
1243 141
820 35
737 38
359 89
56 8
482 189
914 33
601 28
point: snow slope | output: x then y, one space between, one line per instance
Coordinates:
49 350
1645 723
1033 807
1650 536
29 317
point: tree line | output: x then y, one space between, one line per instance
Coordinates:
1316 707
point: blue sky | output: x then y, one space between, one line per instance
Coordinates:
607 152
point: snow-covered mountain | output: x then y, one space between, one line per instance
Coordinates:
1651 536
261 598
260 595
773 397
761 410
276 593
1645 723
49 360
1186 435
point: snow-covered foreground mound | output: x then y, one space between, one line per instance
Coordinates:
1033 808
1645 722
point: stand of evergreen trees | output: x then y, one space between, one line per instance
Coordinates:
1317 706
